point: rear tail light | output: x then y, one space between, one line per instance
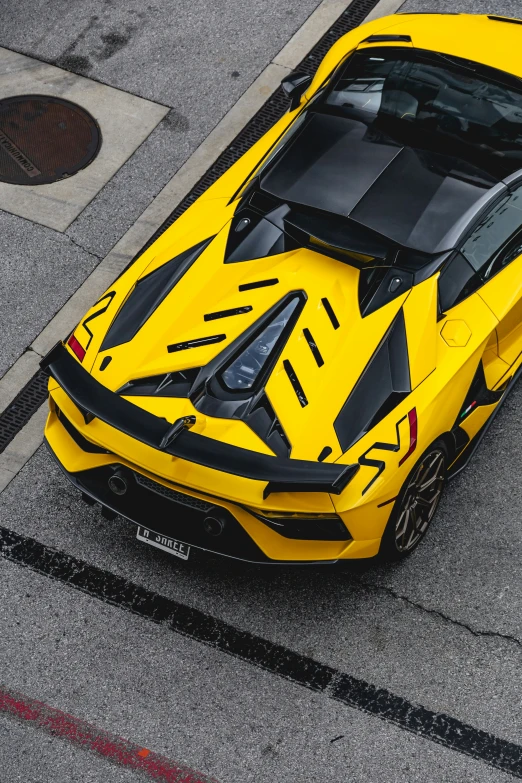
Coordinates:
412 420
78 350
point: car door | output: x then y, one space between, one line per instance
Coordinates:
487 271
494 250
464 313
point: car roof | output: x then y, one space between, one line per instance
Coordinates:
413 197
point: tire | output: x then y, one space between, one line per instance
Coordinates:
414 510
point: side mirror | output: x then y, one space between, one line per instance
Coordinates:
295 84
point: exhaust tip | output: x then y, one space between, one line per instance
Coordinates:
214 523
118 484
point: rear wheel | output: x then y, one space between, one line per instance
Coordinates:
416 504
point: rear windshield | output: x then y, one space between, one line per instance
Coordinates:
430 100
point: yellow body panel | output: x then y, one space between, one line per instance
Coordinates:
443 354
455 333
503 295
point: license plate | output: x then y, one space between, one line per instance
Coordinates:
163 542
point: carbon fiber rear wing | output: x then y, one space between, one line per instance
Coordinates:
281 474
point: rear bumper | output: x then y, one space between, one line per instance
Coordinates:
179 513
177 509
165 511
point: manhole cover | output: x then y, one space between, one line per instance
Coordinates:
44 139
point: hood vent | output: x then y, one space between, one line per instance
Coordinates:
147 295
252 236
171 384
382 386
243 372
380 285
232 385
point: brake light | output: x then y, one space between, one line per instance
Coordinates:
412 421
78 350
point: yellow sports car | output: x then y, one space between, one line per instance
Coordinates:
291 372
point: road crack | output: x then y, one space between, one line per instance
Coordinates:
477 632
81 247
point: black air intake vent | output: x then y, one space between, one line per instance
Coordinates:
385 38
267 426
76 435
258 284
504 19
296 384
381 285
316 353
263 202
381 387
147 294
227 313
252 236
172 384
196 343
171 494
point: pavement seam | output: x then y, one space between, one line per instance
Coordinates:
437 613
81 247
128 161
54 61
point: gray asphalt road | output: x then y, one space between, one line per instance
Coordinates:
442 630
212 712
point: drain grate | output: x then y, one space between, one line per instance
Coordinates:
33 394
44 139
22 408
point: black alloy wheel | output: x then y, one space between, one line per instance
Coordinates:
416 504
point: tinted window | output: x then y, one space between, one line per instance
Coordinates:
495 234
492 245
457 281
478 106
505 256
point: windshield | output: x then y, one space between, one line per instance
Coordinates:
431 100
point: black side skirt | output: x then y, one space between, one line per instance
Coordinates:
465 457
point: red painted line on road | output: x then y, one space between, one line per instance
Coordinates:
88 737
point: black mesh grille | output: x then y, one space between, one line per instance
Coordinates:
22 408
33 394
171 494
